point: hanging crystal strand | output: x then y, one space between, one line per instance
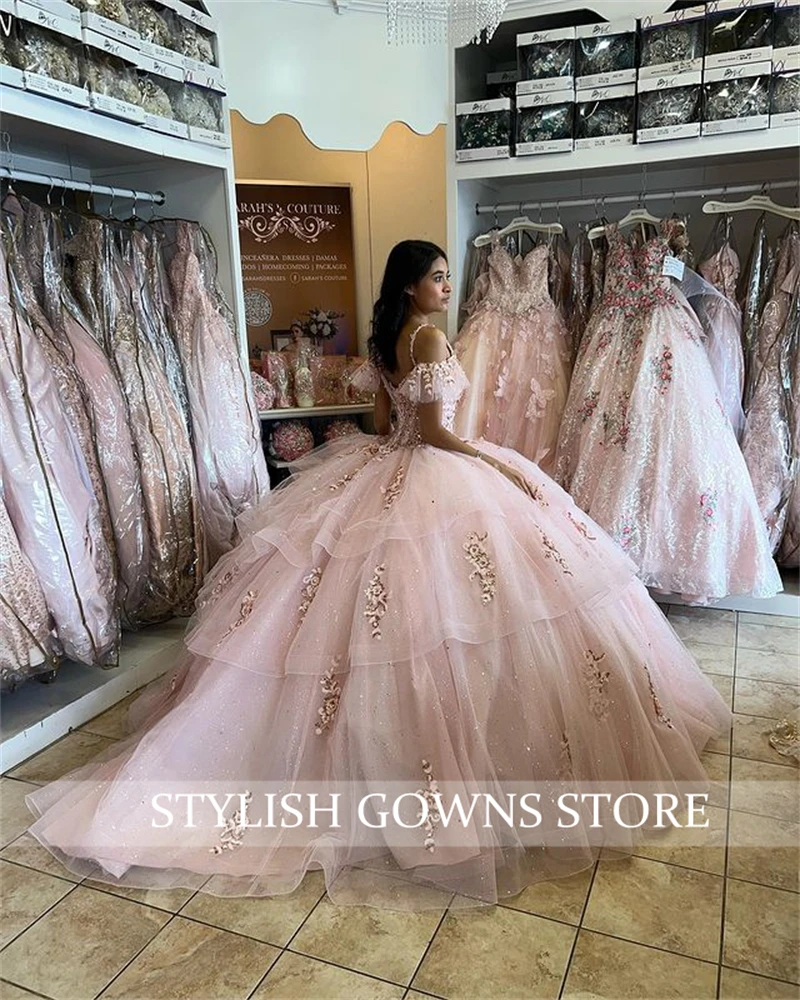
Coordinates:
426 22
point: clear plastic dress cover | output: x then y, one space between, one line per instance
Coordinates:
603 118
605 54
732 30
677 106
107 75
737 98
541 124
580 288
37 50
546 60
671 43
199 108
785 93
751 293
481 131
789 551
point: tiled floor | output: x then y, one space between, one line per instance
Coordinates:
676 921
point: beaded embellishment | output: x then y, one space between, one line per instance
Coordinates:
309 592
433 818
597 679
224 581
377 601
581 527
245 610
551 552
483 570
391 492
656 703
231 836
331 692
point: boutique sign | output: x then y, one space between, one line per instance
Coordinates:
297 264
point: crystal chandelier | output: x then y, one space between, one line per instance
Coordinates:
420 22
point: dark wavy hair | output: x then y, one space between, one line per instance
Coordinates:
407 264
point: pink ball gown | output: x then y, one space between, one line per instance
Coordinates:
515 351
646 447
397 616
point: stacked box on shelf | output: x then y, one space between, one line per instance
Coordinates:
45 45
605 116
10 75
785 101
672 43
605 54
483 129
736 98
503 83
546 60
669 107
109 71
545 122
738 32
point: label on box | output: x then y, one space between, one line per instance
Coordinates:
788 118
61 25
209 137
159 68
691 130
482 107
718 6
537 37
110 45
200 18
625 139
58 7
486 153
157 123
670 82
11 77
542 100
786 58
740 57
8 7
604 93
736 125
550 146
736 72
544 86
117 109
113 29
506 76
619 76
204 75
624 26
674 17
671 69
55 88
673 268
165 55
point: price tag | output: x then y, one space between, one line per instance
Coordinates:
673 268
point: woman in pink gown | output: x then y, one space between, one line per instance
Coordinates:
408 614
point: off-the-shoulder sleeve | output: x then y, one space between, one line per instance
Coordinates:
366 378
436 380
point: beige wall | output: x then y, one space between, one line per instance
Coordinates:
398 187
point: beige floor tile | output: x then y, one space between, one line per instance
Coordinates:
561 899
701 849
496 953
780 668
765 789
26 895
662 905
67 754
187 960
15 816
86 938
383 943
273 920
26 850
724 686
765 698
721 744
774 621
702 625
769 638
111 723
761 930
717 767
607 967
170 900
751 739
8 991
296 977
736 985
712 658
765 850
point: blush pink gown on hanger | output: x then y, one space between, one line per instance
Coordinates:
396 615
515 350
646 448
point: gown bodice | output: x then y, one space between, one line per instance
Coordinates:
517 284
634 278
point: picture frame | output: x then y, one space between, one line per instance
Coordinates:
280 339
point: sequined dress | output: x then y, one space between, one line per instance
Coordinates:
515 351
398 619
646 447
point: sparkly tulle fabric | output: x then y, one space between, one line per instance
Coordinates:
515 350
396 613
646 447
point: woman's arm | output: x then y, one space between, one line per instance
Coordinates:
382 414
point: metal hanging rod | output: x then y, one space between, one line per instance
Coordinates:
640 197
26 176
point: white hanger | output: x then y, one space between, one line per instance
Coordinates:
633 218
757 202
520 224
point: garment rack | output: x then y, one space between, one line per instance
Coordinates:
27 177
637 198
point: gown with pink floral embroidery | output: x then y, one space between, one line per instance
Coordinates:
398 619
646 447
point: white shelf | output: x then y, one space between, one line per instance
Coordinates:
316 411
86 134
580 161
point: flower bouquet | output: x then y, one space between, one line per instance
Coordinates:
320 324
